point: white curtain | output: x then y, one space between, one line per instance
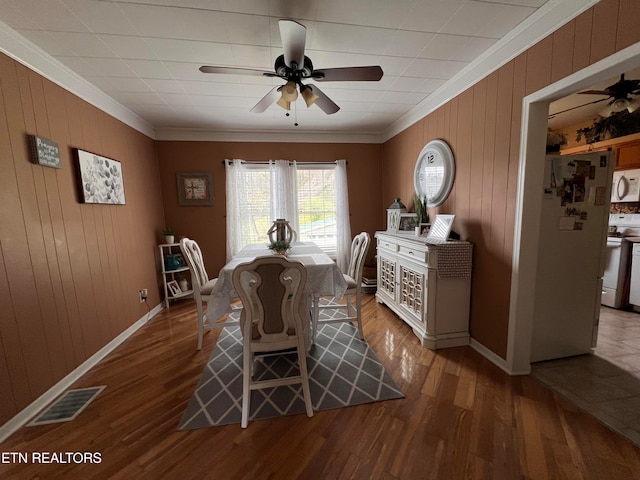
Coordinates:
279 184
343 226
236 172
284 198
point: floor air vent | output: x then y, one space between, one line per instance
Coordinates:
68 406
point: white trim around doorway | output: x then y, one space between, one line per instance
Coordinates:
527 223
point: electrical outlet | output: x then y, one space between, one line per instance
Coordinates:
143 295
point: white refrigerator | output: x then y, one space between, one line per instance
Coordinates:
571 254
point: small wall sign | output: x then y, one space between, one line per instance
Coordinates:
44 151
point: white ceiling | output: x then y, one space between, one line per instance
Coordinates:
145 55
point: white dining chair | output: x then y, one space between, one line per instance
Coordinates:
202 286
351 304
272 290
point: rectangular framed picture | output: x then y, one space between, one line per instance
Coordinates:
424 228
174 288
408 222
441 227
100 179
44 152
195 188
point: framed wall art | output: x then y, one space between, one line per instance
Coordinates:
195 188
100 179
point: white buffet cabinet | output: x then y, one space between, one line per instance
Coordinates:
427 285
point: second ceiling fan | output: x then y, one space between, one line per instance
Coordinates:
295 67
620 95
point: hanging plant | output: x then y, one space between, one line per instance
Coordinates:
615 125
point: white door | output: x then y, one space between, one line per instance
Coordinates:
571 254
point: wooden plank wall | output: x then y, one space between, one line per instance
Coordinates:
482 125
69 272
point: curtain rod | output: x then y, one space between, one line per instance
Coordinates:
262 162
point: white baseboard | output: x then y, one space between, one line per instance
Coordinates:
41 402
493 358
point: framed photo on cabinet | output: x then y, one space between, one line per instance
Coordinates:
195 188
174 288
408 222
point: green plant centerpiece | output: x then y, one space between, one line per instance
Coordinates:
280 247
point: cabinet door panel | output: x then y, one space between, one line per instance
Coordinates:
629 156
387 276
412 289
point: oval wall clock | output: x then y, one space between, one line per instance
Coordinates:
434 172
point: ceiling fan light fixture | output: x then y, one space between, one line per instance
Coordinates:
283 103
290 92
619 104
633 105
308 95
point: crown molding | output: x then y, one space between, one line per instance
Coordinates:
30 55
544 21
265 136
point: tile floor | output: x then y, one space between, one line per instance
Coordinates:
607 382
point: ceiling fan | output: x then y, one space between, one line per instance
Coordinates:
619 93
294 67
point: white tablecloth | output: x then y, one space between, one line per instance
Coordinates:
323 275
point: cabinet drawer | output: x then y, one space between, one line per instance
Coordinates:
387 245
417 254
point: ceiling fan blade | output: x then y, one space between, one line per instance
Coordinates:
597 92
293 36
235 71
323 102
266 101
347 74
552 115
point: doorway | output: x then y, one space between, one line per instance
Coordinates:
530 177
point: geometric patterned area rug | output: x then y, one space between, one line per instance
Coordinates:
343 371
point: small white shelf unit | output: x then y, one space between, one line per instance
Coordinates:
169 275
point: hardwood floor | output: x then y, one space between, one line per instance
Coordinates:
462 418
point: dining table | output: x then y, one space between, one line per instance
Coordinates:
324 277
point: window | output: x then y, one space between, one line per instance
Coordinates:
304 194
317 206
